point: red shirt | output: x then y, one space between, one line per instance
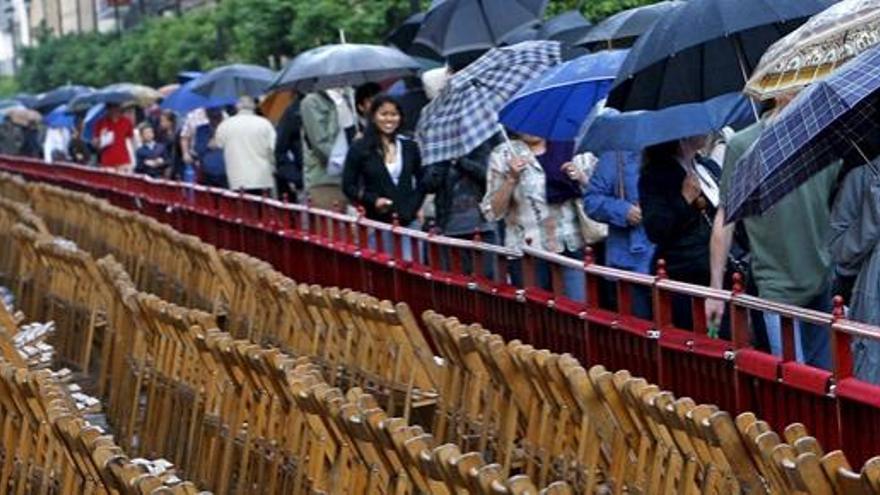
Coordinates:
116 154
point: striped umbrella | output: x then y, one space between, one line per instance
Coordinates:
465 113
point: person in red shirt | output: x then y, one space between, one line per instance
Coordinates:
113 138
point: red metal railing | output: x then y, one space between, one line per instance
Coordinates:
334 249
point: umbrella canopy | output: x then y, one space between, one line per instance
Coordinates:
232 81
403 36
568 27
556 104
814 50
142 95
344 64
91 118
827 121
184 100
676 62
58 96
465 113
455 26
106 95
26 99
611 130
187 76
622 29
22 116
59 117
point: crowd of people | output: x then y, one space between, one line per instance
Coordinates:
354 148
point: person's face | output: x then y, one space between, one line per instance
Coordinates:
147 134
531 140
165 122
387 118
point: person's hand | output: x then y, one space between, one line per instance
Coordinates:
574 173
517 164
714 312
634 215
690 188
383 204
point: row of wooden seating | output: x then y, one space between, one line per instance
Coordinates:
540 419
47 447
14 187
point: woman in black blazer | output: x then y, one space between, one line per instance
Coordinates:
383 169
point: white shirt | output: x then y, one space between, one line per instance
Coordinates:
248 143
395 168
57 139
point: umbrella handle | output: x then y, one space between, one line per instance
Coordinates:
507 140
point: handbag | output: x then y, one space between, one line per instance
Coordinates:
592 231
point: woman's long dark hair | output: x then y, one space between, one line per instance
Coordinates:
372 134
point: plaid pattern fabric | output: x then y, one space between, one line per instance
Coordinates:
465 114
551 227
824 122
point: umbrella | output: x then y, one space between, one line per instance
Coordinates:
106 96
455 26
23 116
61 95
232 81
568 27
26 99
702 49
525 33
142 95
829 120
464 114
556 104
168 89
59 117
403 37
91 118
187 76
346 64
611 130
814 50
623 28
184 100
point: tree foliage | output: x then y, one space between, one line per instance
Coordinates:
265 32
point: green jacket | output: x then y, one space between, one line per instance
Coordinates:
320 128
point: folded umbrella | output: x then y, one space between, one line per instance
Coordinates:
827 41
58 96
465 113
622 29
556 104
567 27
702 49
829 120
232 81
611 130
456 26
346 64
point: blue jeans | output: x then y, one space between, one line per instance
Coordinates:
812 342
387 240
573 279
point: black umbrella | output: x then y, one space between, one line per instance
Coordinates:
568 27
59 96
26 99
622 29
455 26
704 48
405 34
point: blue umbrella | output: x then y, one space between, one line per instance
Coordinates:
187 76
556 104
465 113
232 81
833 118
184 100
633 131
105 96
91 118
59 117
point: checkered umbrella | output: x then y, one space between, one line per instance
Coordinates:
465 114
834 118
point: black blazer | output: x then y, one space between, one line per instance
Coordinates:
680 230
365 179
